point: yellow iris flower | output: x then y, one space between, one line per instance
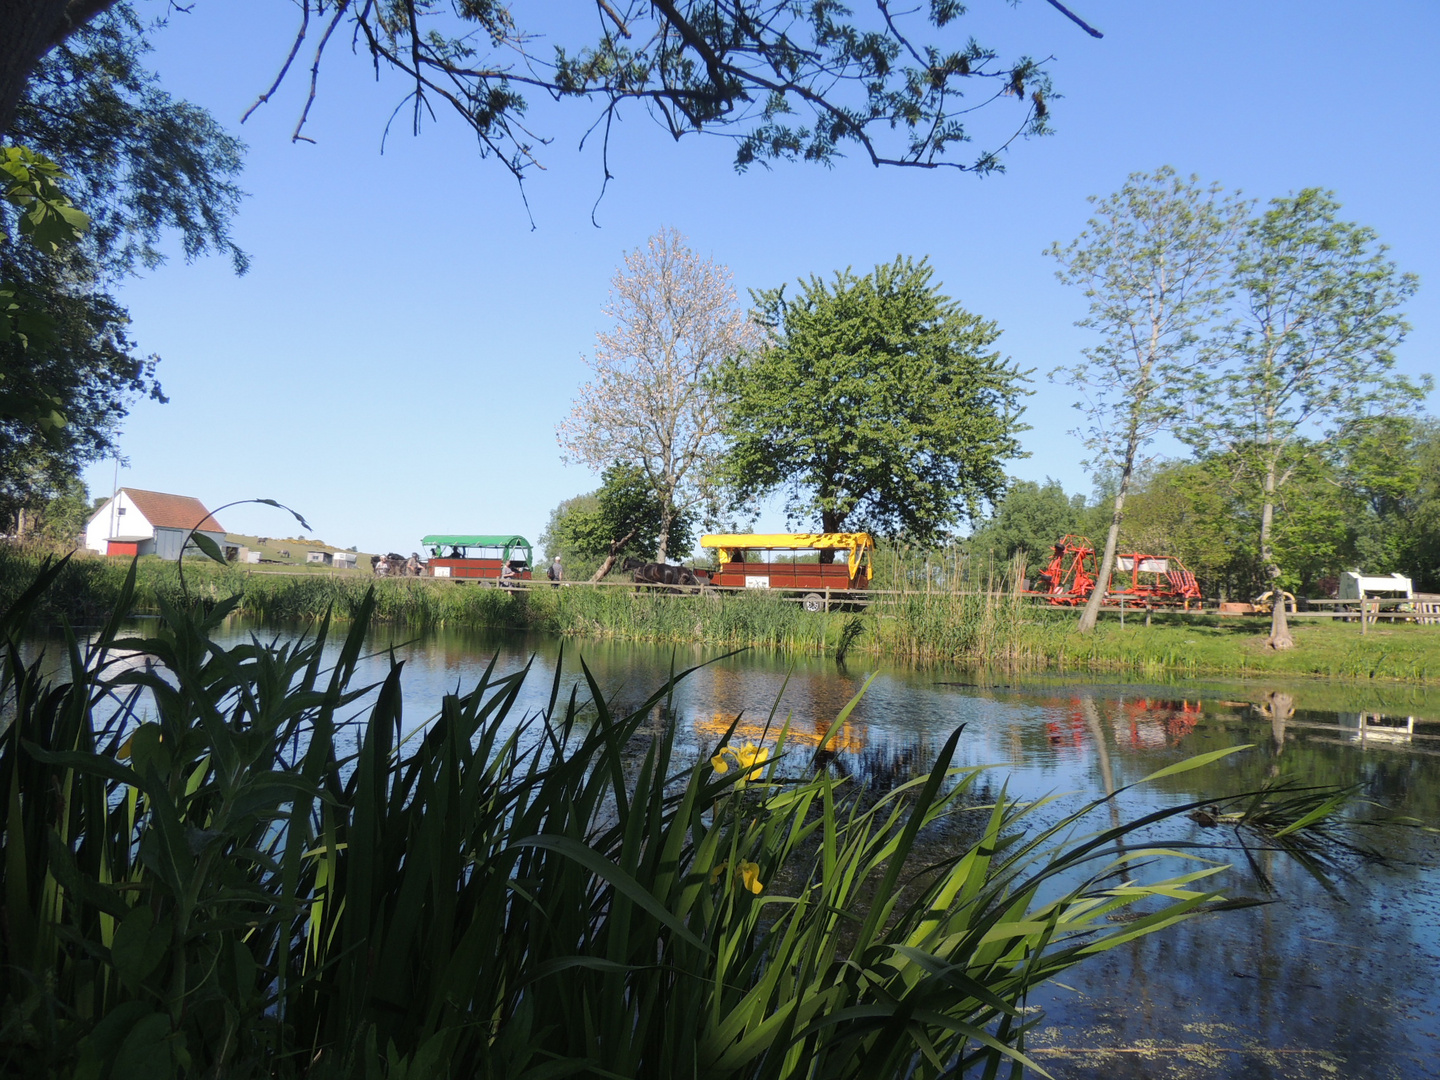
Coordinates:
748 875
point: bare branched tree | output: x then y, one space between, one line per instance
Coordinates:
675 319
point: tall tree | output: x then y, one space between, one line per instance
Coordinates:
1153 263
877 403
1312 357
649 402
37 219
788 81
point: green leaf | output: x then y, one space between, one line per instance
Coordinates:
1197 762
139 946
208 546
99 1048
147 1052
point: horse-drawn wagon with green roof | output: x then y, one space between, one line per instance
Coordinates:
488 558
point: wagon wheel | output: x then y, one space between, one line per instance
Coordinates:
814 602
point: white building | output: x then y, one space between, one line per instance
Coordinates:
136 522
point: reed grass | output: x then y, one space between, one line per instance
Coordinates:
235 862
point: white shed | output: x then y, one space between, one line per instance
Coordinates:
137 522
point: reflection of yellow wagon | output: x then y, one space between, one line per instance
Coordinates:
850 737
747 561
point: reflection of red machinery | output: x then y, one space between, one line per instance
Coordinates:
1158 723
1137 577
1071 573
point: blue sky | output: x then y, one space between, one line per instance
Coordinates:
396 359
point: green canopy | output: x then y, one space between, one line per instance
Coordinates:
508 543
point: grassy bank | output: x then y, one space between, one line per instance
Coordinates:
1402 651
945 627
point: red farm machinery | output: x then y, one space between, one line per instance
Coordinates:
1138 578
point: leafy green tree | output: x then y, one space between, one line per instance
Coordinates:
1353 504
1389 472
877 404
621 518
143 164
1029 518
35 206
1152 263
1312 358
67 369
786 81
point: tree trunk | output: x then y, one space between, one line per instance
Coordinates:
667 518
28 30
830 522
1091 615
1279 628
609 563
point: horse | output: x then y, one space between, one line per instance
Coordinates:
656 573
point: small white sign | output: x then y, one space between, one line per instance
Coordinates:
754 582
440 571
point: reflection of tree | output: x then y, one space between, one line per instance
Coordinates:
1279 707
1102 755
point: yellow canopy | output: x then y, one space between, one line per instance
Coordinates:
857 544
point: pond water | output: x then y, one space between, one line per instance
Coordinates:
1342 982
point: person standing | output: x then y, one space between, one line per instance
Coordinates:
556 572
